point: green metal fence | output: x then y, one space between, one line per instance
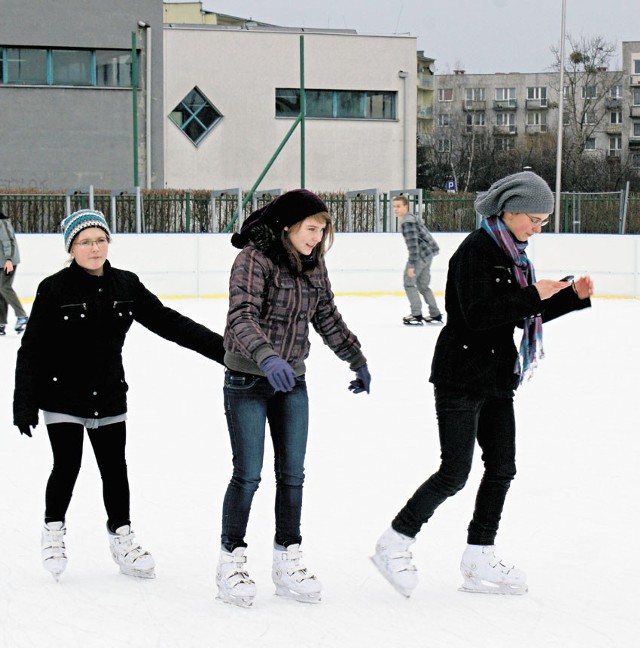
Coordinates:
197 211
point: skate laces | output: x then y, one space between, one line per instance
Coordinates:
53 541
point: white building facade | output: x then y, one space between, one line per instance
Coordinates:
231 94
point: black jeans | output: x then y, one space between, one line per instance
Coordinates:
463 418
109 448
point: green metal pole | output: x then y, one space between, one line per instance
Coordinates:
303 113
134 94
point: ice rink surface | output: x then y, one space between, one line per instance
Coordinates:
571 520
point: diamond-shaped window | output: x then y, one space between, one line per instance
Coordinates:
195 116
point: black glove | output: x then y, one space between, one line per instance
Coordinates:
279 373
362 381
26 429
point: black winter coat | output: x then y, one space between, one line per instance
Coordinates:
475 351
70 360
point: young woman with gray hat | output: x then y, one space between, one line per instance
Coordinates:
278 286
491 288
88 308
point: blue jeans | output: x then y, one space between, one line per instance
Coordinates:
249 402
463 418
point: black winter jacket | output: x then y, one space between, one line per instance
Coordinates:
475 351
77 315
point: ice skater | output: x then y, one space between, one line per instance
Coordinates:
491 288
422 247
9 260
278 286
69 365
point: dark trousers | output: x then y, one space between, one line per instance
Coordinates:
8 296
109 448
463 418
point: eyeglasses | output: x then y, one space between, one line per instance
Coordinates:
87 243
538 221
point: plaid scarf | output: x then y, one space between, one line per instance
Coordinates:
531 346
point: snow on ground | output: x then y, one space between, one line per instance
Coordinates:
570 521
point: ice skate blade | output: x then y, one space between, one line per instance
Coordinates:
483 587
138 573
380 567
238 601
285 592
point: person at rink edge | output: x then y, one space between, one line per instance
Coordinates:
491 288
278 286
69 365
422 248
9 260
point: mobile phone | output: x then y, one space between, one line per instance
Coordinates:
567 278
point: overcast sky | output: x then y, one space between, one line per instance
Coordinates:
479 36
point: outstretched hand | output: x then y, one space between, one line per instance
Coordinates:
362 381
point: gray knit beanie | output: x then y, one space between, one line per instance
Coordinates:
523 192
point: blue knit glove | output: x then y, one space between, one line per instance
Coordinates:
279 373
362 381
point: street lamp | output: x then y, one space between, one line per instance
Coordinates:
560 120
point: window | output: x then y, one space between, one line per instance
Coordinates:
113 69
535 118
505 143
636 96
590 118
445 94
475 119
590 144
337 104
589 92
635 160
505 94
474 94
65 67
71 67
538 94
506 121
444 120
636 66
615 145
616 116
615 92
636 129
443 145
26 66
195 116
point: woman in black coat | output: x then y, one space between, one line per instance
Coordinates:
491 288
88 308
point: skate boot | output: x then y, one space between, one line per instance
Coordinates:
21 323
233 582
484 572
291 577
132 559
437 319
394 561
54 557
412 320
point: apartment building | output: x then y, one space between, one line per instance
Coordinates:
513 107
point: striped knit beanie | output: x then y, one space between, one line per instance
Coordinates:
73 224
520 193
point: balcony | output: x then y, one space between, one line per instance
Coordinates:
634 80
470 105
534 129
505 104
634 142
613 103
614 155
613 129
634 111
425 112
505 129
536 104
425 81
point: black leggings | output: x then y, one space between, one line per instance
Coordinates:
108 446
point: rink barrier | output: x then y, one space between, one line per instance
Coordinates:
366 264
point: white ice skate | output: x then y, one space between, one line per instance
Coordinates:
54 557
394 561
132 559
234 585
485 573
291 577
